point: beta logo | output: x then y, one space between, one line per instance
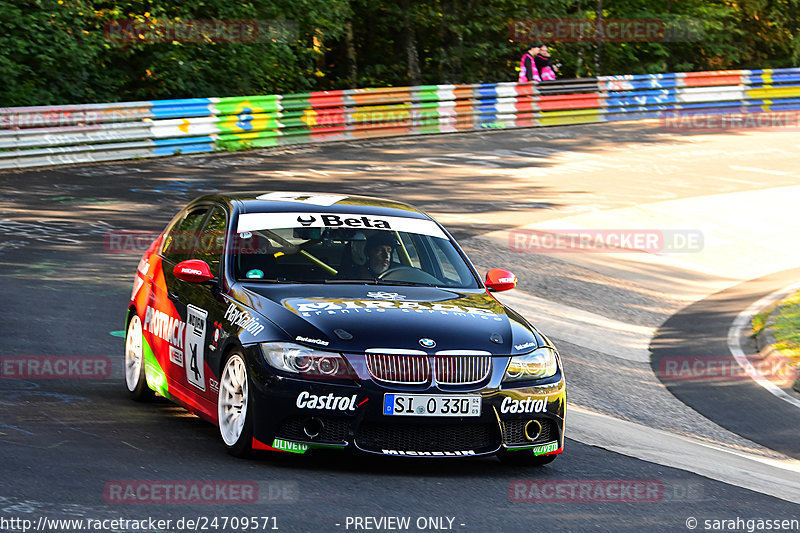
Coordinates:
528 405
334 221
306 400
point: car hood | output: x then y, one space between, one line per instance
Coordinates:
355 318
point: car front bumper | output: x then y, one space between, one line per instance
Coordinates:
298 415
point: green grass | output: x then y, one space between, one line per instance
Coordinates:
233 146
787 326
759 321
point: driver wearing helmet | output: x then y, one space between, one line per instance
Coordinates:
378 250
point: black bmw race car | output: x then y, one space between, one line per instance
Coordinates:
304 321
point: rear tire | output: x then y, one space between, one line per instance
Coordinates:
135 379
234 407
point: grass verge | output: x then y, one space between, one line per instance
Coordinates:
784 319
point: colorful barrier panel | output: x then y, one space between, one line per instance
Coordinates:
54 135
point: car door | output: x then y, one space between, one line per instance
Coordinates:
202 306
179 245
162 322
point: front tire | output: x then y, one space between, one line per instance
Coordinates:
234 407
135 379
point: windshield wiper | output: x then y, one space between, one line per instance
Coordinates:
403 283
265 280
356 281
399 283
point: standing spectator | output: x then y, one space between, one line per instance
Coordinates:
546 69
527 65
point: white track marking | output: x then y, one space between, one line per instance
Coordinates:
778 478
742 321
760 170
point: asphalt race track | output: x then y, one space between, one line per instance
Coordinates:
702 451
705 325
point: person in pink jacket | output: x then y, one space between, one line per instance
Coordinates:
547 70
527 65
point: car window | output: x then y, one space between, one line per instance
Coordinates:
448 261
341 255
211 240
181 239
411 248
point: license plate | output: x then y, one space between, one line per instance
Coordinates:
425 405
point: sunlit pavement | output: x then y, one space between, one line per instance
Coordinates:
64 292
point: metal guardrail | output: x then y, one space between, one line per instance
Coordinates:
42 136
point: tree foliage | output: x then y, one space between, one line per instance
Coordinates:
60 52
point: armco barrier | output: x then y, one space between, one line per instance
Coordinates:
39 136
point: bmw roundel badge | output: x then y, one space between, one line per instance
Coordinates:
427 343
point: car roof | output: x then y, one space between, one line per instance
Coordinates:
288 201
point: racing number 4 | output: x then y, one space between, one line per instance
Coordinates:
193 364
194 343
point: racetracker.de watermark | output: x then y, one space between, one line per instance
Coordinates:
605 241
725 369
131 241
604 491
606 30
217 31
142 523
55 367
699 122
199 492
183 242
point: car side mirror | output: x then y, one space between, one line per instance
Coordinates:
193 271
500 279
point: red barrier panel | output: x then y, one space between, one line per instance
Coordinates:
722 77
569 101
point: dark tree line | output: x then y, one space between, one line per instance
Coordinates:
61 51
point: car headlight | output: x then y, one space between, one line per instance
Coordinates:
306 362
540 363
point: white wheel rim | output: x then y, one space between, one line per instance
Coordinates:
133 353
232 403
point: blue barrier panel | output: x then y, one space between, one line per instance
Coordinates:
184 146
190 107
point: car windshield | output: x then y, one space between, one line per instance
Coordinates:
346 249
